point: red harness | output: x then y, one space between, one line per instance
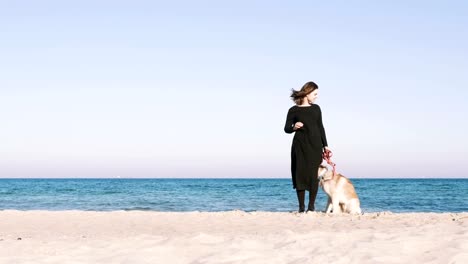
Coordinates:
326 155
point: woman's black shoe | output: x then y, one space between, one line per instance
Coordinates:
301 209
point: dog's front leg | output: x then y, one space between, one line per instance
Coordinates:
336 205
329 205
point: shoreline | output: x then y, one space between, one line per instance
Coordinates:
321 212
41 236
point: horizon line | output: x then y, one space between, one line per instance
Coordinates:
214 178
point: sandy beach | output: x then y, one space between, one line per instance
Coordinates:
231 237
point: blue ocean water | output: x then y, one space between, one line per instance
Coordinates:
395 195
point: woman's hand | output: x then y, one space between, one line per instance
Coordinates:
298 125
327 149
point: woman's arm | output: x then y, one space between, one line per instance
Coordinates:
322 129
289 126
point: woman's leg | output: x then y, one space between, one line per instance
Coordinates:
301 198
312 196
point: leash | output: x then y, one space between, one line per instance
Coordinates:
326 155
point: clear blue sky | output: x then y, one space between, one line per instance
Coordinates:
201 88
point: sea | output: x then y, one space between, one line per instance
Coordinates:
214 195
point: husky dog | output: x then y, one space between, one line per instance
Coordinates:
341 194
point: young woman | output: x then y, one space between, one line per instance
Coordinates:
309 142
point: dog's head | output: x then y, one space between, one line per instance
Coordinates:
323 174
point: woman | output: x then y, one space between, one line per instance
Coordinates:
309 142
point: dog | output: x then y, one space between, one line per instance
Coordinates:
341 194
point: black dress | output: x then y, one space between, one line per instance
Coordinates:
307 145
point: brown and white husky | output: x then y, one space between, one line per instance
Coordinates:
341 194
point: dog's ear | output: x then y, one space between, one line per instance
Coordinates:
321 168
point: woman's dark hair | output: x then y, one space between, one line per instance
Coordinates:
308 87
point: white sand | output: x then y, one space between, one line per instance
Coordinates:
231 237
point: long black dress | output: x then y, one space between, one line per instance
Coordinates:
307 145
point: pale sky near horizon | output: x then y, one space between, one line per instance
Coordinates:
201 88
